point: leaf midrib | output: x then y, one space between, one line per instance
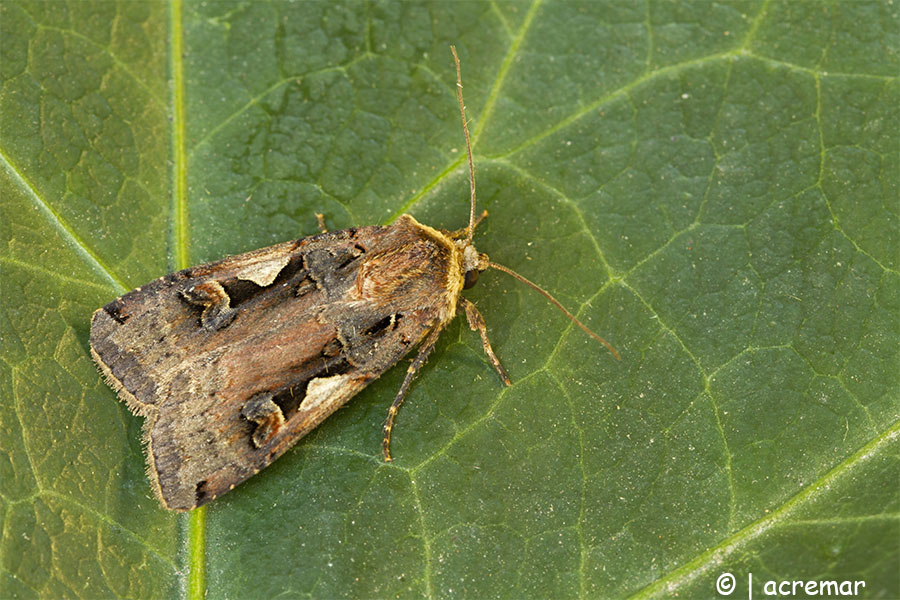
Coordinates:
196 520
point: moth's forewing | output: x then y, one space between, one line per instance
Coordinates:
232 362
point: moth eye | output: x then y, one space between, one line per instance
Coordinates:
471 279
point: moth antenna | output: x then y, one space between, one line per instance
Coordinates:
547 295
462 114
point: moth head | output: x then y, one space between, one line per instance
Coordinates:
474 262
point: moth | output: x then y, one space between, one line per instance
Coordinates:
233 361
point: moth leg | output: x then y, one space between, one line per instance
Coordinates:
321 220
476 323
424 350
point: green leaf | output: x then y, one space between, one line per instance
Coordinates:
712 187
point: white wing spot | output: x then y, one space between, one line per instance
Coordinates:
321 389
264 273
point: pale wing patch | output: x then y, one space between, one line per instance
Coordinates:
263 273
321 389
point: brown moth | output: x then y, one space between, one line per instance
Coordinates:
233 361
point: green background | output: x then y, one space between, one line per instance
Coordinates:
712 187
